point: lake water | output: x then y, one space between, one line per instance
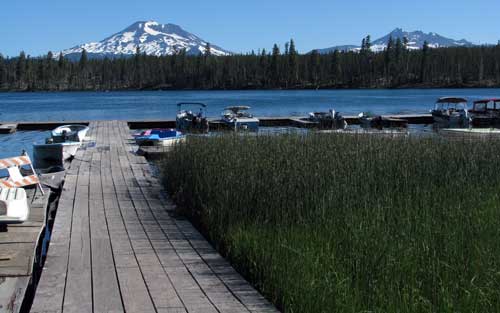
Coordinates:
85 106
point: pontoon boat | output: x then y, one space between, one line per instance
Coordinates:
451 112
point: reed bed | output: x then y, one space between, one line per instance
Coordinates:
333 223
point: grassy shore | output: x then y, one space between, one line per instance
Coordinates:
329 223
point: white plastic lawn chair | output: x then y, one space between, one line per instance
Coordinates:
14 207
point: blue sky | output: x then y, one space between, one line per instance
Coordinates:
39 26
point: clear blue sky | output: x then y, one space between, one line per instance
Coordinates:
37 26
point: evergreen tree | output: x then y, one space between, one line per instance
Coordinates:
292 63
208 49
368 42
3 72
275 75
423 65
398 49
405 42
21 70
83 60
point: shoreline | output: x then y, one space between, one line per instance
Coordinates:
416 87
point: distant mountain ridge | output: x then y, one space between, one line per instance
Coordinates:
416 41
151 38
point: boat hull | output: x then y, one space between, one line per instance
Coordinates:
163 142
251 124
471 133
46 155
459 119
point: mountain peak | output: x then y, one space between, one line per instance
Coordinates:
415 39
150 37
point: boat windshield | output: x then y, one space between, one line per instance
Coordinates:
480 106
451 106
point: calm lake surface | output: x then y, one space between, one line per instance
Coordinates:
85 106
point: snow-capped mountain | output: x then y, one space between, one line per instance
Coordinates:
151 37
416 40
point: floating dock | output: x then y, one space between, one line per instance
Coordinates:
289 121
118 246
8 128
21 252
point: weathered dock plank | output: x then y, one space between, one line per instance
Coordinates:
116 248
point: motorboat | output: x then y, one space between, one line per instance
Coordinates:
238 118
451 112
160 137
328 120
188 121
369 120
73 132
485 113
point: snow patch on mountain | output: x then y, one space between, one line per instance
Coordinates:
151 38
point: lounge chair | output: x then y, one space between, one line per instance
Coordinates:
14 207
16 179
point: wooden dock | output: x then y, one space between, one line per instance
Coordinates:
117 245
20 252
215 124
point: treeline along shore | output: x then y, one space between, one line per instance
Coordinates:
396 67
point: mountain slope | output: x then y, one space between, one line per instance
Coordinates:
416 40
151 38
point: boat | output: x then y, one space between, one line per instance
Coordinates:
188 121
485 113
160 137
328 120
54 153
369 120
472 133
451 112
238 118
73 132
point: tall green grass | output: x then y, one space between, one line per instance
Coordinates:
330 223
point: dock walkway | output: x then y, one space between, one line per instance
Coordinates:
117 247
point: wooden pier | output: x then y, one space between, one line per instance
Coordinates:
117 245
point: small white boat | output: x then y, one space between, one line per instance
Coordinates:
238 117
73 132
160 137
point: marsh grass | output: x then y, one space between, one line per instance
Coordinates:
331 223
